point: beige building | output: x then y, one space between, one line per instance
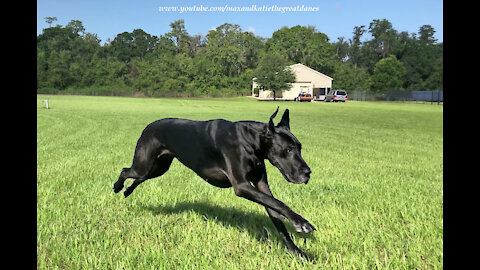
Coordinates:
307 80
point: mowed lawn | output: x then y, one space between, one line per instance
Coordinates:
375 194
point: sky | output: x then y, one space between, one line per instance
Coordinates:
335 18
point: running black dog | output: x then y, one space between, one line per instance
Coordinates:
226 154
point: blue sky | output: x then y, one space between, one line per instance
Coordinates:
107 18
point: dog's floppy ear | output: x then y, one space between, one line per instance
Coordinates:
271 125
285 122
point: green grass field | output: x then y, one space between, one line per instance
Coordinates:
375 194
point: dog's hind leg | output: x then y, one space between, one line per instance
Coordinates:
158 168
142 163
124 175
121 179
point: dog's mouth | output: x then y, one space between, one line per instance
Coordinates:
277 165
284 174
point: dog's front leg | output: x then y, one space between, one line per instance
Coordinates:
247 191
262 186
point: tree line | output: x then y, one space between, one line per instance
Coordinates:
224 61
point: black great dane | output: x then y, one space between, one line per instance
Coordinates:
226 154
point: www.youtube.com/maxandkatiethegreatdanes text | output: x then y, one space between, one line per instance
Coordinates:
227 8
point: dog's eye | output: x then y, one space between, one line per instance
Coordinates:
289 150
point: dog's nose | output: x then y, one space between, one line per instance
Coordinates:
307 171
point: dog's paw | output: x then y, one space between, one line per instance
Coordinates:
117 187
298 252
304 226
127 192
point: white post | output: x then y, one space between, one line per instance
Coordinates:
46 103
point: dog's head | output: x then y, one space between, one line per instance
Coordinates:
284 151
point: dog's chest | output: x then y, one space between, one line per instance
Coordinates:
255 171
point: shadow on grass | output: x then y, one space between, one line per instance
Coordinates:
258 226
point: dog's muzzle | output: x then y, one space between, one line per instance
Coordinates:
307 173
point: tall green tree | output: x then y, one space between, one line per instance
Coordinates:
354 53
179 35
224 47
384 36
274 74
50 20
349 77
76 27
58 69
422 58
232 49
388 75
426 35
138 43
341 49
304 44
